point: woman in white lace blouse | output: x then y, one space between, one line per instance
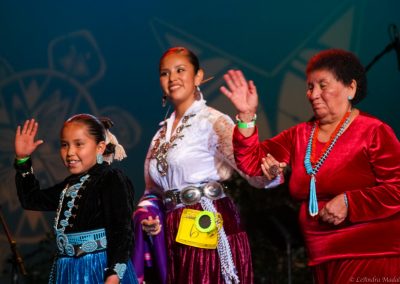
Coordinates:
189 157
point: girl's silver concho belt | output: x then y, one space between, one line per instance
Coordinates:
191 194
79 244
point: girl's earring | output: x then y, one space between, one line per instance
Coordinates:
99 158
164 101
199 94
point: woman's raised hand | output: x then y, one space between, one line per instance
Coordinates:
242 93
25 143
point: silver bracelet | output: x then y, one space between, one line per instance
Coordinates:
28 172
345 200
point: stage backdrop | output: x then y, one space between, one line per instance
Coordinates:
58 58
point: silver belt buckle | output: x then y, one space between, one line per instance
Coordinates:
190 195
213 190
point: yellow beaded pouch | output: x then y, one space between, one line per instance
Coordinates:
199 228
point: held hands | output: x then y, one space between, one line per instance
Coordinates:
335 211
25 143
242 93
151 226
271 167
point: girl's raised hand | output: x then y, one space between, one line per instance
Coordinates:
25 143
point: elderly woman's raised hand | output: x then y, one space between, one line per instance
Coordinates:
242 93
25 143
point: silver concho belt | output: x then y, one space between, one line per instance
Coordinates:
79 244
191 194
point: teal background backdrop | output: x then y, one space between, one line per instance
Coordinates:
58 58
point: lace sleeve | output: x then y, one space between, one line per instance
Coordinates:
223 129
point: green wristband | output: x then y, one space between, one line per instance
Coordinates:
23 160
244 125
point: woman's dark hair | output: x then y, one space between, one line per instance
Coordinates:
345 66
182 50
96 127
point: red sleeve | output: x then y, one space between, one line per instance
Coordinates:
383 199
249 151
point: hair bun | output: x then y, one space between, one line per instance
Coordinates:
107 122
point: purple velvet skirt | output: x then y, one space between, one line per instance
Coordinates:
187 264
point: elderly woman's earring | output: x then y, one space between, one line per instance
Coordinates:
99 158
164 101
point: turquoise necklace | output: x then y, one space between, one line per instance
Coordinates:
312 171
72 192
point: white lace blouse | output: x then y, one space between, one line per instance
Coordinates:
203 153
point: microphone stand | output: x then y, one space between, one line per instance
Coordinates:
394 34
388 48
17 262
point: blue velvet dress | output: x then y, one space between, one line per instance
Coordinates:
93 224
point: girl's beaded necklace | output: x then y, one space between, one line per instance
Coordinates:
60 225
310 157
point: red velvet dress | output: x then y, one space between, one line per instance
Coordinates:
364 163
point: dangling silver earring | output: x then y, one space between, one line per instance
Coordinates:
199 94
164 101
99 158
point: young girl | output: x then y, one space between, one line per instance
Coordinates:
93 205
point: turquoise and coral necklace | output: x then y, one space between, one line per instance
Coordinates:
309 158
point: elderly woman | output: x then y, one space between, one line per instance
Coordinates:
345 170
